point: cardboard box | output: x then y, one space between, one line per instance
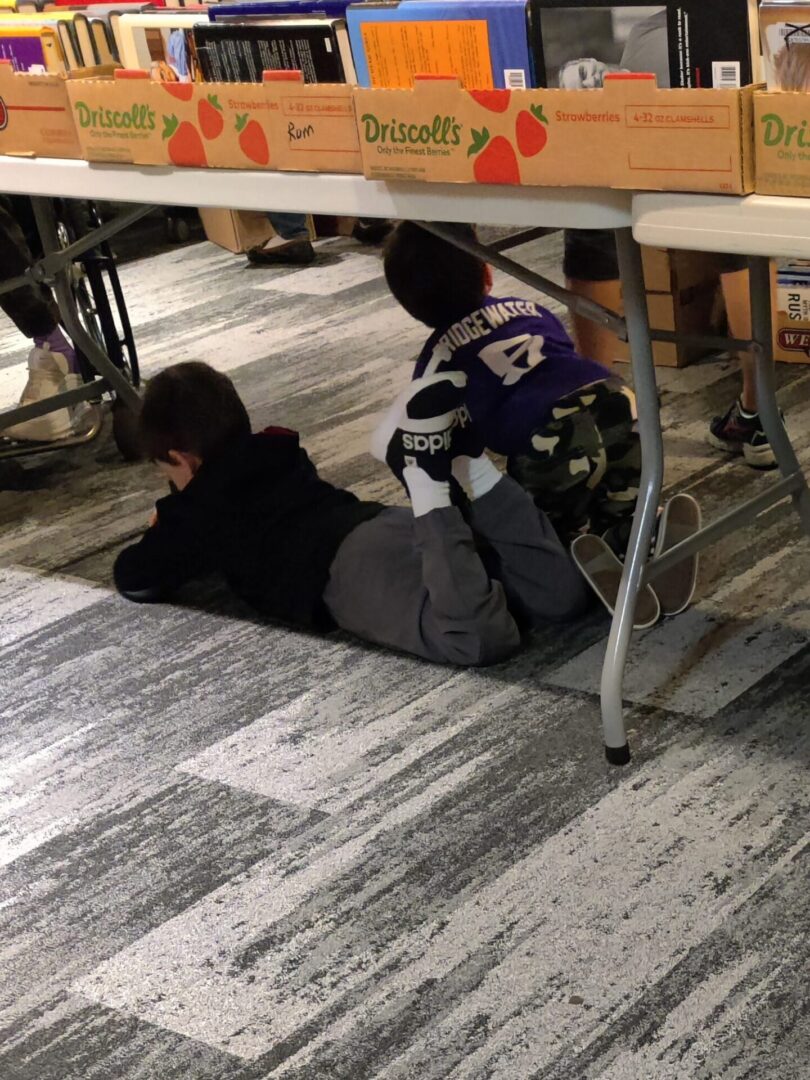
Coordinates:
686 307
689 313
628 135
673 271
790 311
278 124
240 230
312 127
35 115
142 122
782 143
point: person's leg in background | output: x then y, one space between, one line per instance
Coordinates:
591 270
291 246
739 430
52 363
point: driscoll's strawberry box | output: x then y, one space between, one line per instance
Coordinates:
629 134
312 126
135 120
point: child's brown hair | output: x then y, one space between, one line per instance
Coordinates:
191 408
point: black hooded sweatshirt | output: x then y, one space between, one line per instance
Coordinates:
258 514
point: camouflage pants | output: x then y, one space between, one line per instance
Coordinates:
32 308
584 465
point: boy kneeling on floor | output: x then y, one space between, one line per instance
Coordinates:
566 425
253 508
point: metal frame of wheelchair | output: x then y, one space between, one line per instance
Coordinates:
79 266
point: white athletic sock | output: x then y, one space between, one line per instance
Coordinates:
476 475
426 494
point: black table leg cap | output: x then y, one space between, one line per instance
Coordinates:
618 755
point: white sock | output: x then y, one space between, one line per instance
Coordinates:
476 475
426 494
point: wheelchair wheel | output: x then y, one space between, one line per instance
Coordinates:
97 289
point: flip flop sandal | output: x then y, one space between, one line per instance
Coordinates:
675 588
603 571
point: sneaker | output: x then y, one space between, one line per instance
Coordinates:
466 438
278 252
602 569
417 431
47 372
740 433
371 230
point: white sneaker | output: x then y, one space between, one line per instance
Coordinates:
47 375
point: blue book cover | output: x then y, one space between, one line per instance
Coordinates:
266 9
507 27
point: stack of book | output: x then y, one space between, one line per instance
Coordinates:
509 44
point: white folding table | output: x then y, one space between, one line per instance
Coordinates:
584 208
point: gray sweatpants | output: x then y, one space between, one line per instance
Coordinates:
418 584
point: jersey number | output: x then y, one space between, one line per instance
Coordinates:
512 358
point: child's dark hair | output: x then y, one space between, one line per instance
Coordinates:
191 407
434 281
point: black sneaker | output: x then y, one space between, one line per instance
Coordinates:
418 429
742 434
371 230
466 438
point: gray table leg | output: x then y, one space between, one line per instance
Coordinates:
652 473
760 283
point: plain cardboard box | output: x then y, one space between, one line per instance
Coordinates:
782 143
236 230
668 271
629 134
682 293
239 230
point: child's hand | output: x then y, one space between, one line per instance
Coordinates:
153 519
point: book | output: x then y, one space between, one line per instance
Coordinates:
70 48
785 29
228 12
102 39
31 48
145 40
241 52
684 43
22 47
483 42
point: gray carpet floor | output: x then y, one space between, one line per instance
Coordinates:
231 851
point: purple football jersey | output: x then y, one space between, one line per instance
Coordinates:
519 362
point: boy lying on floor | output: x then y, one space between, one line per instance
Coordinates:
566 425
253 508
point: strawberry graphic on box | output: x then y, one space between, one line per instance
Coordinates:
494 100
3 115
181 91
531 130
209 115
495 161
252 140
185 146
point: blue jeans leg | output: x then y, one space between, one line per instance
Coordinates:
289 226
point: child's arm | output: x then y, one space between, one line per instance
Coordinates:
166 557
